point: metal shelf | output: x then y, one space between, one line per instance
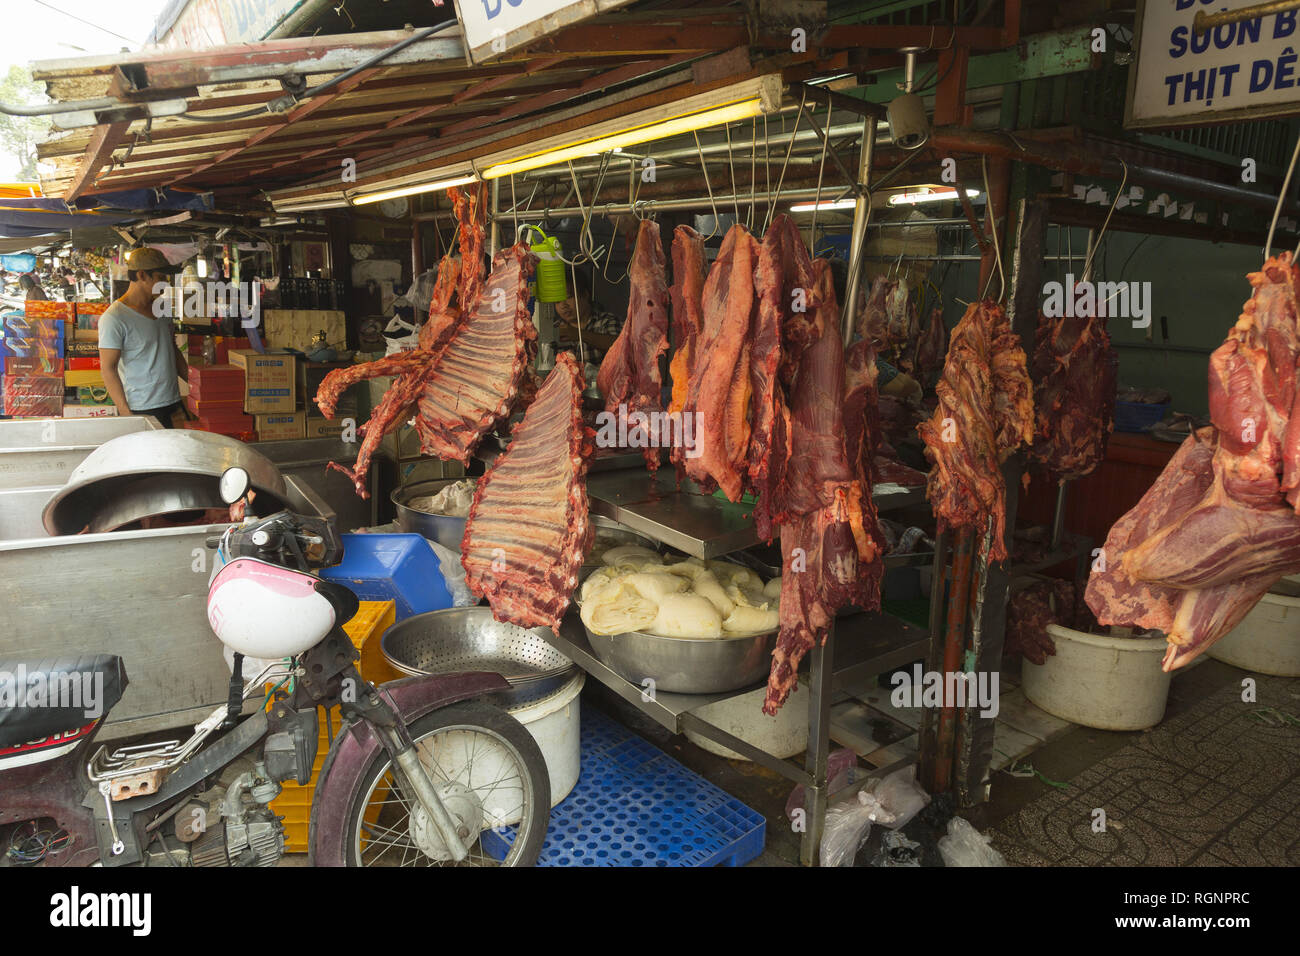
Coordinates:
880 643
698 524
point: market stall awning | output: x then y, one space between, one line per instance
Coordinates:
23 218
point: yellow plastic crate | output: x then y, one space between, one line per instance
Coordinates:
365 630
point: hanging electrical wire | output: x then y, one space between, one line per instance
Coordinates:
1087 263
1281 198
997 245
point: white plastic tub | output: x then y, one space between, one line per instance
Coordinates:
553 722
1111 683
555 725
784 735
1267 641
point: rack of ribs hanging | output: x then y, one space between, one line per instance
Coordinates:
471 368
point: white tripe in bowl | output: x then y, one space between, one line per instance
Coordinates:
688 598
454 500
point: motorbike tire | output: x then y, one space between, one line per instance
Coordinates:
471 714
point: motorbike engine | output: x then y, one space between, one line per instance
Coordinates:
246 833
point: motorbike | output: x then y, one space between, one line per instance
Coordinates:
421 771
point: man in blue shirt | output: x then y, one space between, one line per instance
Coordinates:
138 355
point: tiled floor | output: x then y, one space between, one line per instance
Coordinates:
1216 783
882 733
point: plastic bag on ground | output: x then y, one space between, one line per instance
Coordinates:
900 794
453 575
848 824
897 850
841 770
966 846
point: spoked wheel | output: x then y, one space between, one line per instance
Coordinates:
488 772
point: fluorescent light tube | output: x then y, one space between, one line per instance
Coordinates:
913 199
824 205
732 113
412 190
309 205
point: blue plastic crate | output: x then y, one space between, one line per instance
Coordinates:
636 806
392 567
1138 416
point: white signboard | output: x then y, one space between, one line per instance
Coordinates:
1244 70
493 27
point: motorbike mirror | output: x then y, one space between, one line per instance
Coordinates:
234 485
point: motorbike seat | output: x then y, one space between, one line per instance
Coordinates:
43 697
341 598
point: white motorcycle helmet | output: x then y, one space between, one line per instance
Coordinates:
262 610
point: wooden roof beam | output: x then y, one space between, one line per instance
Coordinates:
103 141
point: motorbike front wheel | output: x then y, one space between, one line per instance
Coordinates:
490 775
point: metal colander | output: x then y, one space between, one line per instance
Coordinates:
469 639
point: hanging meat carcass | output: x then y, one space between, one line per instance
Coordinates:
467 380
686 294
528 529
873 316
985 412
931 348
719 390
901 329
1218 528
832 552
1074 398
629 374
785 323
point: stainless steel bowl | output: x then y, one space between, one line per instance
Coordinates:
202 456
447 530
684 665
620 532
170 497
470 639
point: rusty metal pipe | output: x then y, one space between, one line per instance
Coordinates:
1204 22
954 643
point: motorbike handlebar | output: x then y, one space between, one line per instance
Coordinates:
213 541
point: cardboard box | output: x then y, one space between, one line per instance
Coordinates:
85 363
294 328
35 365
86 335
32 395
270 380
86 377
49 309
281 426
39 348
30 327
324 428
93 395
76 349
89 411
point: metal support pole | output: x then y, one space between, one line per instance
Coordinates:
818 755
857 244
494 239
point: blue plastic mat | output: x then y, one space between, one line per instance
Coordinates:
392 567
636 806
